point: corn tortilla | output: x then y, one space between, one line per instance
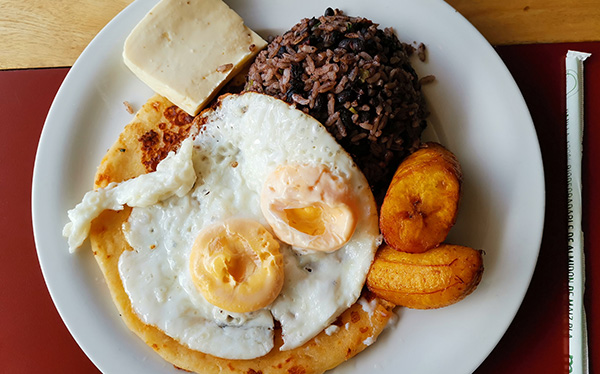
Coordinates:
157 128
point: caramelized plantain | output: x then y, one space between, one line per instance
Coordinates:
437 278
422 200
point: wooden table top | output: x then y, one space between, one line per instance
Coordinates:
40 33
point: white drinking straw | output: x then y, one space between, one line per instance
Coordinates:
578 355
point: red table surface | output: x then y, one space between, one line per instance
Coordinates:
33 338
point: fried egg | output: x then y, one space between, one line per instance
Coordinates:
279 224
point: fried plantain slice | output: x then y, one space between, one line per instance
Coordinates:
437 278
422 200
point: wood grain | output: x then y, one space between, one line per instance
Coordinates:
533 21
41 33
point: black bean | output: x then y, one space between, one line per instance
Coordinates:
344 96
346 117
320 103
363 117
345 44
331 38
363 28
314 40
357 45
386 41
288 95
329 12
370 46
297 71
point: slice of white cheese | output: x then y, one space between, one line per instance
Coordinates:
187 50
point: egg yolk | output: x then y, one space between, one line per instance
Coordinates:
237 266
309 207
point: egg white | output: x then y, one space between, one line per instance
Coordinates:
243 140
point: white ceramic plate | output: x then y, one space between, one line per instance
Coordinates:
477 112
